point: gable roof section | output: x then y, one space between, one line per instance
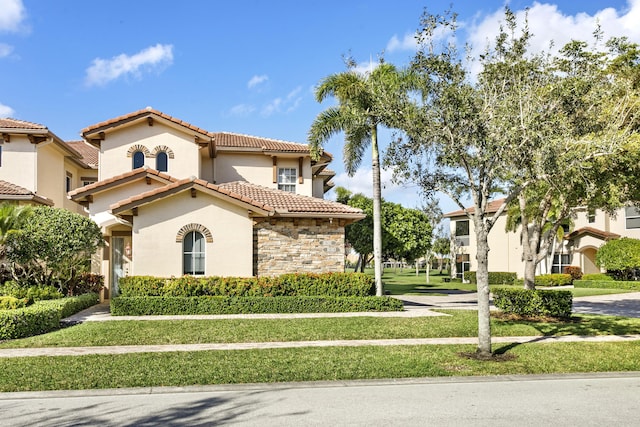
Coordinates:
13 192
36 133
600 234
492 207
95 133
82 193
88 152
8 123
289 204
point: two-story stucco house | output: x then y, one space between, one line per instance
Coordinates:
37 167
589 230
174 199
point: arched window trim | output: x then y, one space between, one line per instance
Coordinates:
194 227
138 147
163 149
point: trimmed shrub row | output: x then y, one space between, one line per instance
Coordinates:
495 277
607 284
534 303
41 317
165 305
554 280
327 284
30 293
596 276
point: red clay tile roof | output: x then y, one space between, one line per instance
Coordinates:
236 140
88 152
10 191
492 207
136 115
604 235
144 171
287 203
9 123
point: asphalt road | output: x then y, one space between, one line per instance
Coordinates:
594 400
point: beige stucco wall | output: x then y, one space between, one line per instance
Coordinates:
156 252
258 169
104 199
318 188
19 162
113 150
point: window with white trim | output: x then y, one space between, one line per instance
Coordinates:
559 262
632 217
193 253
462 232
287 179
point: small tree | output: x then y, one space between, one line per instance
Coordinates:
53 246
620 257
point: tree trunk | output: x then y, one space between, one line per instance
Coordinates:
529 255
377 212
428 268
482 277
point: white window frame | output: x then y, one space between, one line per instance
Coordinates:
634 216
192 254
287 179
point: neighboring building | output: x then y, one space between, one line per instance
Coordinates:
587 233
174 199
37 167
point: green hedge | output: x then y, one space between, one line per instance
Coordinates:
30 293
495 277
141 306
11 303
533 303
607 284
596 276
554 279
41 317
327 284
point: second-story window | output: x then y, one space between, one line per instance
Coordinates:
68 182
138 159
462 232
287 179
162 162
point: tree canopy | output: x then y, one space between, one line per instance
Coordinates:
620 257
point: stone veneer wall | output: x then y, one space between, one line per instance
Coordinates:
292 245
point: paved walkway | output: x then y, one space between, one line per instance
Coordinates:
415 306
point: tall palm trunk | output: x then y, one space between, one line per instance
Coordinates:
377 212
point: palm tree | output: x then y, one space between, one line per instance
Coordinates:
365 101
12 217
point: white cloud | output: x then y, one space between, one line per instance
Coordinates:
102 71
256 80
12 14
6 111
287 104
242 110
5 50
408 42
548 23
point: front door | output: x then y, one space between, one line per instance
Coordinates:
117 263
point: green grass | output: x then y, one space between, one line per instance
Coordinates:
459 323
306 364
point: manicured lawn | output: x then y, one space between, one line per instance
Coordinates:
460 323
306 364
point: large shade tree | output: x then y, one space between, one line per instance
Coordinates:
464 137
365 103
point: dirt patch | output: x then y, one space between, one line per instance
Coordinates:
493 357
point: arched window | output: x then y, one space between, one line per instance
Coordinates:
138 159
193 253
162 161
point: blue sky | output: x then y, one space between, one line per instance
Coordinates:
246 66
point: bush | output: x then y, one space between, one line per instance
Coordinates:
11 303
142 306
607 284
84 283
495 277
41 317
526 302
326 284
30 293
553 280
596 276
573 271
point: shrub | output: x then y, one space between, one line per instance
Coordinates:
141 306
553 280
526 302
41 317
573 271
11 303
84 283
596 276
607 284
326 284
30 293
495 277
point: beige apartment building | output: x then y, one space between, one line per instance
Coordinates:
174 199
587 232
